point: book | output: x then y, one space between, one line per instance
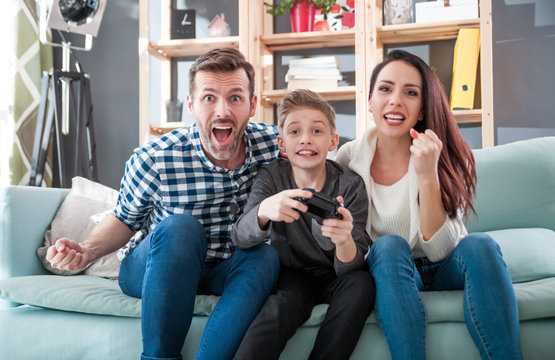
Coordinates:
315 62
296 73
313 73
465 67
312 84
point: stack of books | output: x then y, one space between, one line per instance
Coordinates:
314 73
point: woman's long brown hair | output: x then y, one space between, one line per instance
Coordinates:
456 167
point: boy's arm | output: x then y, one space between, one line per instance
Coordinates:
356 201
266 204
246 232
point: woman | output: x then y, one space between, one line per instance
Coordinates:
420 179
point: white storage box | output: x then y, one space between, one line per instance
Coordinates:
433 11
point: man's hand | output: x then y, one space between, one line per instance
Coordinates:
67 254
282 207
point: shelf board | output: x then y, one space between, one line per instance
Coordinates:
167 49
468 116
408 33
162 128
309 40
271 97
342 93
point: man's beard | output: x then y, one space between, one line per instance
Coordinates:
221 153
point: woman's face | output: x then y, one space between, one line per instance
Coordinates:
396 101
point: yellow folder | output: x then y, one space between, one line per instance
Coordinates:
465 66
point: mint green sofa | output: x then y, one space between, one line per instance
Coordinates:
46 316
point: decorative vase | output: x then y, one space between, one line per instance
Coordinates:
397 11
302 16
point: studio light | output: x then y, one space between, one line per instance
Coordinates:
67 87
75 16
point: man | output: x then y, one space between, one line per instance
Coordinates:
184 191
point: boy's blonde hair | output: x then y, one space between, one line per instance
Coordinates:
304 98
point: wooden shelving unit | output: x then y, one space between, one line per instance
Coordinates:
258 42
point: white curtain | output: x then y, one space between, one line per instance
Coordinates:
22 62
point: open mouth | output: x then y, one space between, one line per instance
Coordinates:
394 118
222 133
307 153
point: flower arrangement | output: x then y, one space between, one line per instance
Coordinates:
282 6
341 16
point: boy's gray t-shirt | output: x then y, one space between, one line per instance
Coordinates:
300 244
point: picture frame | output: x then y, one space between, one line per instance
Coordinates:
183 24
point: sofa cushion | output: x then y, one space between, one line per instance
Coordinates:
82 293
528 253
535 301
74 220
94 295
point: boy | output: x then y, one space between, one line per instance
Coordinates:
321 260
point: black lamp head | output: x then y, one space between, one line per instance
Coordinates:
78 11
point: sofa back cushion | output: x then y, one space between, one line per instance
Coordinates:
82 293
529 253
516 186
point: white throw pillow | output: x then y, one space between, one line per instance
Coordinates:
75 220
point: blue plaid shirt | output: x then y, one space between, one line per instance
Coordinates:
172 175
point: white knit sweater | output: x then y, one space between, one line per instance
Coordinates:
358 155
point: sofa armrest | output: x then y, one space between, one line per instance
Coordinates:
25 214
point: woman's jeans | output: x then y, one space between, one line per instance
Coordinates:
167 269
475 265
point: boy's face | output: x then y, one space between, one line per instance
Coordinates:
306 139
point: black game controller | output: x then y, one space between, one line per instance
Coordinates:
322 205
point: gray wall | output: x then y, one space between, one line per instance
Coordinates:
113 66
523 69
524 77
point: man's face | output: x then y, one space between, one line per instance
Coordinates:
222 108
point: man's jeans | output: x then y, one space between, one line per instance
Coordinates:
167 269
475 265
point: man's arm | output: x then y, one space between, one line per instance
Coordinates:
108 236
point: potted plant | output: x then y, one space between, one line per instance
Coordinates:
302 11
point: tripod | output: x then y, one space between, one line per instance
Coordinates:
49 121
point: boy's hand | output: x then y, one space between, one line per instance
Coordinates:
339 230
282 207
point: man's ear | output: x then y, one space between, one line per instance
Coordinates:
254 101
334 142
189 104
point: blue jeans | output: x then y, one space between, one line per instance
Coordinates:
167 269
475 265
